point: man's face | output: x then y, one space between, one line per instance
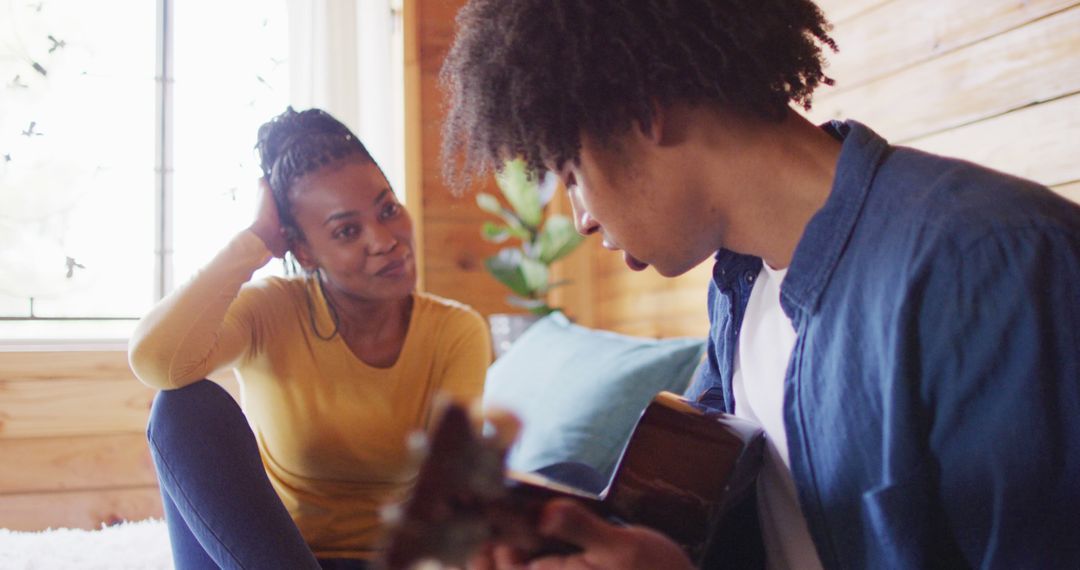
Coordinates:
628 192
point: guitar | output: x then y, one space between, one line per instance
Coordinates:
684 468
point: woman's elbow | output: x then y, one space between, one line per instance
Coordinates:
150 366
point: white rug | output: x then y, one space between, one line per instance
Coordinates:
142 545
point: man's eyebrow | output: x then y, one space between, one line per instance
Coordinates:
382 195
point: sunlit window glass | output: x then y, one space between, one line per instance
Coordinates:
76 162
231 75
83 251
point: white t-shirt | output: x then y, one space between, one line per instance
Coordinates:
765 343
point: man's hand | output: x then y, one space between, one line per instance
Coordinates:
603 545
267 224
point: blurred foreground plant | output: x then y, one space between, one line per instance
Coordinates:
543 238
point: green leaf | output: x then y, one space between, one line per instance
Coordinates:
494 232
558 239
535 275
521 190
517 230
514 224
489 203
549 182
506 267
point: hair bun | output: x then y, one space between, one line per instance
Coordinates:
295 143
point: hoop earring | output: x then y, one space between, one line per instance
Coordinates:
329 305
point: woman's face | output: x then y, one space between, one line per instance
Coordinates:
355 231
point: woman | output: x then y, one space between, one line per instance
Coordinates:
336 365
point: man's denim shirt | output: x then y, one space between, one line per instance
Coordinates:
932 399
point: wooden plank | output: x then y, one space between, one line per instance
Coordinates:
456 245
442 205
474 288
1038 142
33 408
905 32
838 11
1070 190
438 199
668 327
633 305
64 365
78 509
437 28
75 463
575 299
647 303
1034 63
412 136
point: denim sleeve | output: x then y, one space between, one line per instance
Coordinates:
996 346
706 374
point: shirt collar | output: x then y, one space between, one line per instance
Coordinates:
828 232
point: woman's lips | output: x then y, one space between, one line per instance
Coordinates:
394 268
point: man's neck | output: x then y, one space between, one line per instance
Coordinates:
785 172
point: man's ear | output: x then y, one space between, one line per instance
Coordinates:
663 129
654 131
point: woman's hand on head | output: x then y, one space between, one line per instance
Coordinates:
603 544
267 224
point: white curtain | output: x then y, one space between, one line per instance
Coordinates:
344 58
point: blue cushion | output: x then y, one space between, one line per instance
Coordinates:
579 391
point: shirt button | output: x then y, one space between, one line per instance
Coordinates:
750 277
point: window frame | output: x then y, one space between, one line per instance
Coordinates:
328 96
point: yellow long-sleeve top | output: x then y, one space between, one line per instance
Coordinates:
331 429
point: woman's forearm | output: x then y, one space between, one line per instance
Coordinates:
188 335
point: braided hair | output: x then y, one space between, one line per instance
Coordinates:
526 77
293 144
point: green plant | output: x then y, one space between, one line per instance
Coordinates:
544 238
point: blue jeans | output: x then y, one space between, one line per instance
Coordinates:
220 507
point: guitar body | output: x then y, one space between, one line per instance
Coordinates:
683 470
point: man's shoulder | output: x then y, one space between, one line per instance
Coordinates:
962 202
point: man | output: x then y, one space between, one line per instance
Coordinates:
903 325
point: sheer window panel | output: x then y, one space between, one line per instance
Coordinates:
78 229
76 139
231 75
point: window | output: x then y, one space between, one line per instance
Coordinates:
127 130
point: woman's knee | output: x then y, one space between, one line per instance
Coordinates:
195 407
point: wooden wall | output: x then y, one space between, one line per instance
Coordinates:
73 449
453 252
72 445
993 81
